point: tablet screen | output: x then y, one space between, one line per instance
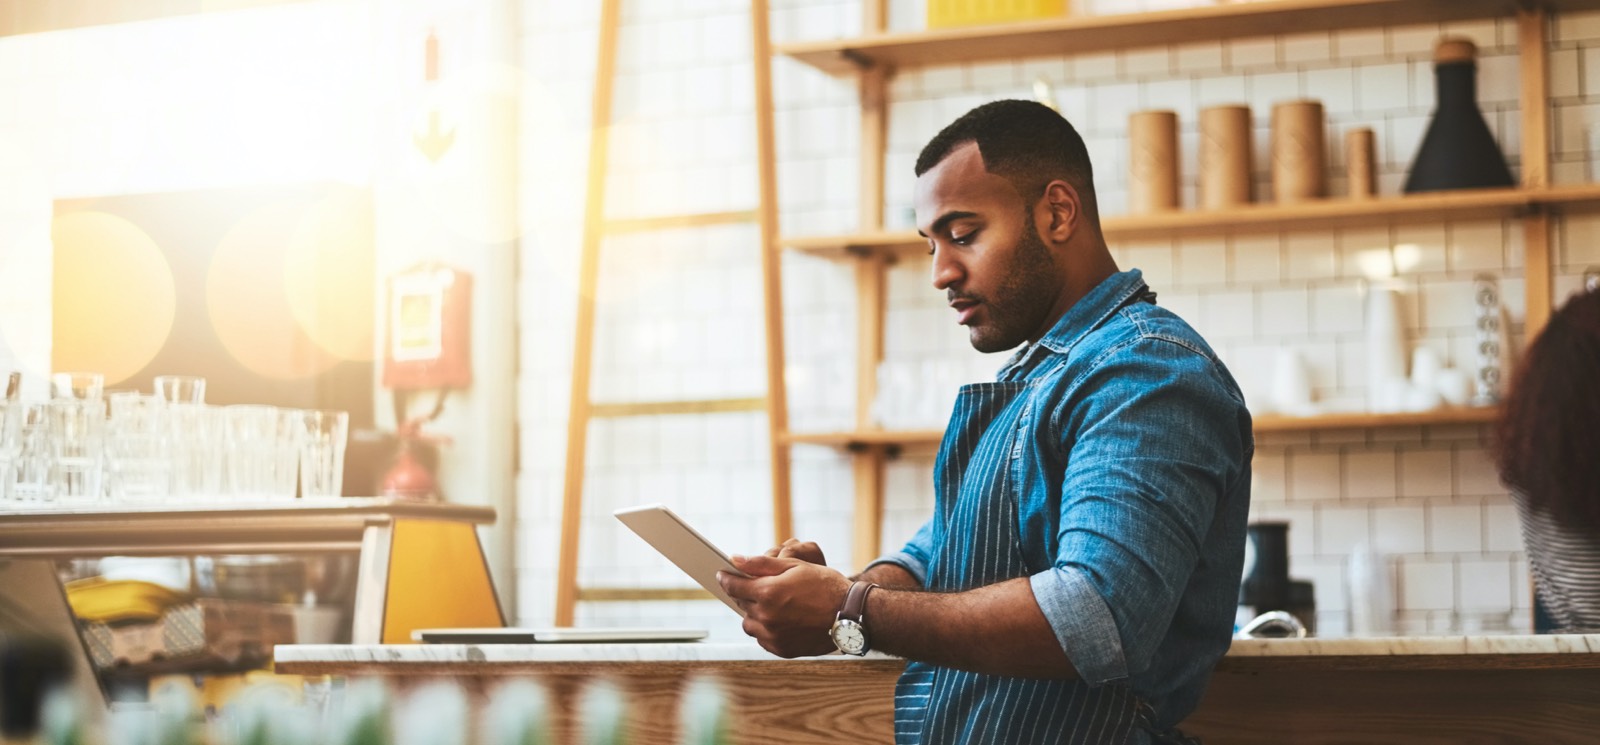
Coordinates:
682 545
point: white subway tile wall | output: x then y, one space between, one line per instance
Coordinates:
680 315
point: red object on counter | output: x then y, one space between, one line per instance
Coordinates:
407 478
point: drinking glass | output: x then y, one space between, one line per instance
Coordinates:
286 453
251 434
199 449
10 430
34 459
139 461
322 442
82 386
77 440
181 389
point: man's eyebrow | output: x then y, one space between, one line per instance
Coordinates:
945 219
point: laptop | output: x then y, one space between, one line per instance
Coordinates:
556 636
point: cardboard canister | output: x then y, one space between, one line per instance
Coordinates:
1225 155
1361 163
1298 151
1152 161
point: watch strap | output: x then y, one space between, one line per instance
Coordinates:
855 601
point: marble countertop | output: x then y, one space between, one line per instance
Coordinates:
713 652
492 653
1502 644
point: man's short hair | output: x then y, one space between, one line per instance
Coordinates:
1024 142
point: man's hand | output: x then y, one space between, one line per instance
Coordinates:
789 604
795 548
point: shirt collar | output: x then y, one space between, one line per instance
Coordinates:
1084 316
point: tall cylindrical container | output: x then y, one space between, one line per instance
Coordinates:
1152 161
1458 151
1298 151
1267 585
1386 349
1224 157
1291 384
1371 594
1360 163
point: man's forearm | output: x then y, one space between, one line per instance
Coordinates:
996 630
890 575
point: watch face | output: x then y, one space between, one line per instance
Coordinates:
848 637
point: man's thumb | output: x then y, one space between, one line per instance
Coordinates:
764 566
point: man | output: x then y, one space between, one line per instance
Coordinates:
1078 579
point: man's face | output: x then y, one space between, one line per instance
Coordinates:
996 271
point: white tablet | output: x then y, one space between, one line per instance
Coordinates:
554 636
682 545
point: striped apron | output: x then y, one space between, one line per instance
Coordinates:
978 544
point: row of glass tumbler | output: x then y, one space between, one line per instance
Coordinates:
169 444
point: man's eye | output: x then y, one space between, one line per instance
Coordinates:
962 240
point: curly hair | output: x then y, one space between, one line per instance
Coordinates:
1547 442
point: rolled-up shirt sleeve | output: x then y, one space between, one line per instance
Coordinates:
1082 623
1152 438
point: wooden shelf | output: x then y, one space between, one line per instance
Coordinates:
1263 423
1101 33
1364 420
898 242
1327 214
677 222
866 438
660 408
877 54
1477 204
1573 198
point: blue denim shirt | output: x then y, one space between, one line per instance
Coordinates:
1112 458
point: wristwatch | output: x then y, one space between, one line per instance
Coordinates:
849 630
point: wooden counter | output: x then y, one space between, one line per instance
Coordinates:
1423 690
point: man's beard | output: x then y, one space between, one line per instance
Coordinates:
1028 289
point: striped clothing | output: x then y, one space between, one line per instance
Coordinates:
995 709
1109 464
1566 567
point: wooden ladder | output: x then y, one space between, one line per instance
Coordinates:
595 229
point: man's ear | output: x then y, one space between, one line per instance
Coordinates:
1065 210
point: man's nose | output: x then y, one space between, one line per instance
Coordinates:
946 271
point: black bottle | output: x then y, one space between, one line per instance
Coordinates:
1267 586
1458 151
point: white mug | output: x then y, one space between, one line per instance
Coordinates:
1291 384
1425 367
1454 386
